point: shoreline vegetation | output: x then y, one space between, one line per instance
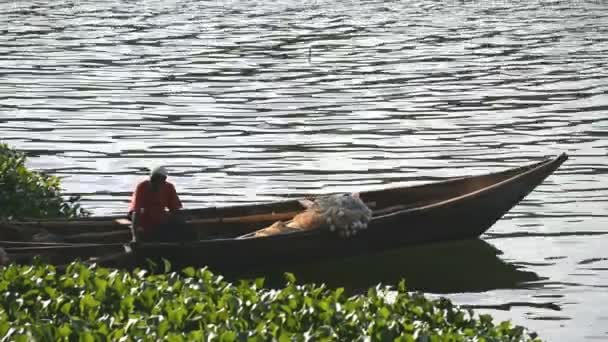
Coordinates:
90 303
29 194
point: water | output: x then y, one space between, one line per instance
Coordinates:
252 101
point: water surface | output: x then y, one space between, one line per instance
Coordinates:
252 101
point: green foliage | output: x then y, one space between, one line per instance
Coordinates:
30 194
96 304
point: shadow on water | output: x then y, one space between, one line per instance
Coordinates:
462 266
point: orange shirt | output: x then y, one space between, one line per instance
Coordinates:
153 203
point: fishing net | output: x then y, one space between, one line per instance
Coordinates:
344 214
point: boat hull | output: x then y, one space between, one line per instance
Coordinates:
456 218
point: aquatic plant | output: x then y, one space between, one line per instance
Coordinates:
89 303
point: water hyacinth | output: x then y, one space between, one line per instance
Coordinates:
96 304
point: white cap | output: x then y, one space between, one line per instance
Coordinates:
159 170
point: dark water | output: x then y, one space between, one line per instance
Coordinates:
251 101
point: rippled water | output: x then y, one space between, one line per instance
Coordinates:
251 101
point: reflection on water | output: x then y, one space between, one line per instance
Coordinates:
251 101
464 266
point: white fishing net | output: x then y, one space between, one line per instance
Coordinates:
344 214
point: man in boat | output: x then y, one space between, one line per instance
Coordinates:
149 219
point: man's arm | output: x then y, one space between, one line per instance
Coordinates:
174 203
135 208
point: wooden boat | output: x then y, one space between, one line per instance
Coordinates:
454 209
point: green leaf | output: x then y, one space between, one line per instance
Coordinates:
163 327
195 336
228 336
86 336
338 292
4 326
189 272
65 308
126 304
323 305
51 292
167 265
21 338
100 287
174 338
290 278
64 330
176 316
87 302
384 312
